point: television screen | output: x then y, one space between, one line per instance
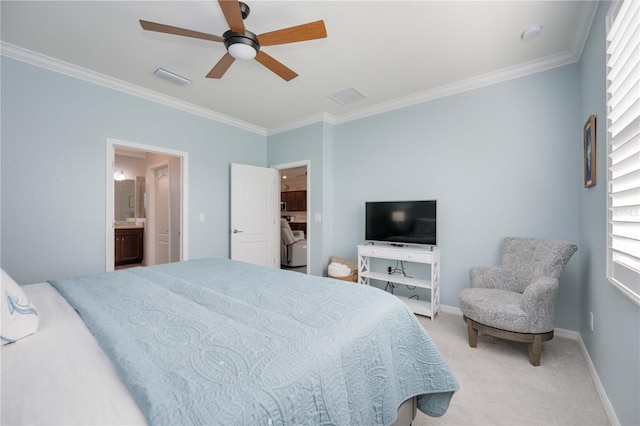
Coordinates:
401 222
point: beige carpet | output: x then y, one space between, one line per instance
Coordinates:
498 386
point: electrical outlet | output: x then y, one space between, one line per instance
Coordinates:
591 321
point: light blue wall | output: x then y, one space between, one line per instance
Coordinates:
328 217
614 345
54 132
503 160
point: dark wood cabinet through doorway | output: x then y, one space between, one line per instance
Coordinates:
129 246
296 200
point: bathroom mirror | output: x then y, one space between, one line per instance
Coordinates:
141 199
129 199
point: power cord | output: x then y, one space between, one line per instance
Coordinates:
399 269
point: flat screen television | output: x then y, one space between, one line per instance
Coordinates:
401 222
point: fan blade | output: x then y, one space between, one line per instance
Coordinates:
310 31
168 29
221 67
275 66
231 12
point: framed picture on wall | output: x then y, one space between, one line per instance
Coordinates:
589 136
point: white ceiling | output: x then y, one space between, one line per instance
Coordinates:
393 52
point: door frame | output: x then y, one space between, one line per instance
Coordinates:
292 165
111 145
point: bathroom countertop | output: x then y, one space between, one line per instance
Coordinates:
128 225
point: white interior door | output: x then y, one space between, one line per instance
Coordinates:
162 219
255 223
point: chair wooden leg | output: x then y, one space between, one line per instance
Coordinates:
534 341
473 334
535 349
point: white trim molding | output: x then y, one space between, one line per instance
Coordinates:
604 398
52 64
458 87
323 117
569 56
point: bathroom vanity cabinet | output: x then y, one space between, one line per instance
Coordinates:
129 245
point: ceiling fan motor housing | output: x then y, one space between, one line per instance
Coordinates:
242 44
244 9
248 38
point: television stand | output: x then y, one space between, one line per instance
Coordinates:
431 283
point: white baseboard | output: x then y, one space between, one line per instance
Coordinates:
566 334
608 408
451 309
572 335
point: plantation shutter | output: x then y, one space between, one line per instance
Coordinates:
623 148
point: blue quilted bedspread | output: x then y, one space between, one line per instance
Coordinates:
215 341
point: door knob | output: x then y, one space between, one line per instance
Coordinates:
235 231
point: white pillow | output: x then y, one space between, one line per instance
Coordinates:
19 317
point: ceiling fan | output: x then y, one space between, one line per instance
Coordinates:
243 44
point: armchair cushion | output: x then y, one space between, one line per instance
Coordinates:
287 235
530 312
499 308
489 277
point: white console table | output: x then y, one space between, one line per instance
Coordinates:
407 254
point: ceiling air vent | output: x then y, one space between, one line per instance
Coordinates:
171 77
347 96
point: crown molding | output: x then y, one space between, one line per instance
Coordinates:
65 68
582 33
554 61
52 64
473 83
323 117
510 73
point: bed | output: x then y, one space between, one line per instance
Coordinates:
214 341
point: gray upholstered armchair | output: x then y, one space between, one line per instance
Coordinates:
515 301
293 246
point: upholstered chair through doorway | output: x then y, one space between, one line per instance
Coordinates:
293 246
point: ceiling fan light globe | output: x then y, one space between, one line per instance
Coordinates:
241 46
242 51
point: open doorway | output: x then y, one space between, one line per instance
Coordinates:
295 247
146 205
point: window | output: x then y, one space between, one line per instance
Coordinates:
623 147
